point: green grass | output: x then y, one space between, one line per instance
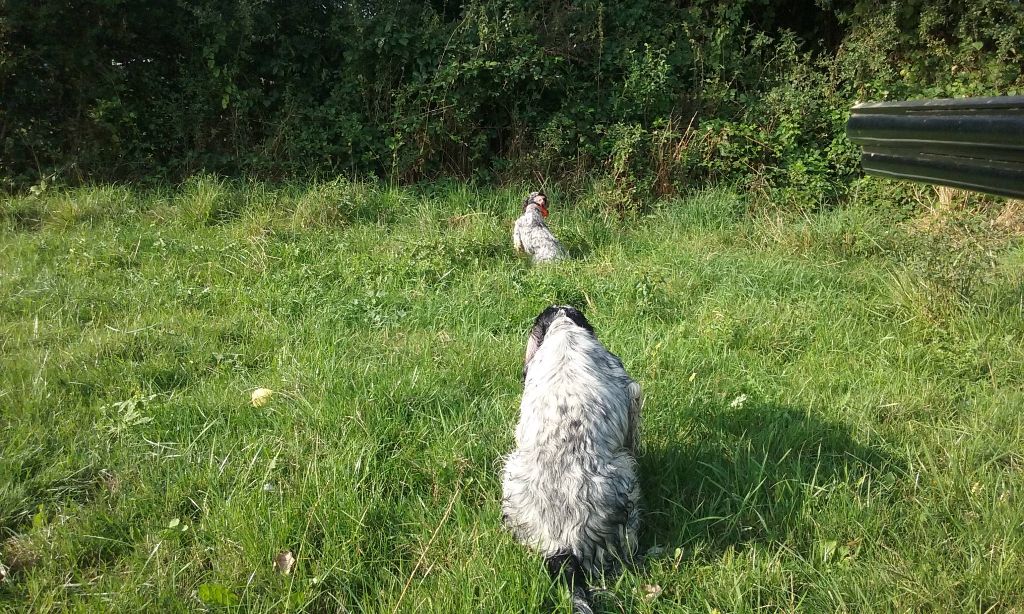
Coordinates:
824 429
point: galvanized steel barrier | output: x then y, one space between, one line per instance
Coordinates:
970 143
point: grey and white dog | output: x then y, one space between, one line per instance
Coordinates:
570 488
531 234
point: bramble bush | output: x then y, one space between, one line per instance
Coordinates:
656 97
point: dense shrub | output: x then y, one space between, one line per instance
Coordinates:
655 95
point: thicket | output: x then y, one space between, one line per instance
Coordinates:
654 96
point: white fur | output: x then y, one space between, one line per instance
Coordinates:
531 235
571 485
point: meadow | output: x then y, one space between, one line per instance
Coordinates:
833 418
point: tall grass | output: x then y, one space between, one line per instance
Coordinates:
817 436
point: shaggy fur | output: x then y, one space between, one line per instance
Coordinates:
570 487
531 234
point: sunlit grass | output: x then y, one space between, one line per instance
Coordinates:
819 435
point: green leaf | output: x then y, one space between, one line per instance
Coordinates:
39 518
826 549
217 594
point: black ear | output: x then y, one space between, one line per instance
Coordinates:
540 328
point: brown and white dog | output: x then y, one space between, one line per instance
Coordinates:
531 234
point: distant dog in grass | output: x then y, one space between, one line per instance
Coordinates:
531 234
570 488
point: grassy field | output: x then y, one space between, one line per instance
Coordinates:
833 416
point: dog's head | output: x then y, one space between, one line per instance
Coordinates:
545 320
539 199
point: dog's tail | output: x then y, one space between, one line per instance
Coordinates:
566 568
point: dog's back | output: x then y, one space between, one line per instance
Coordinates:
570 487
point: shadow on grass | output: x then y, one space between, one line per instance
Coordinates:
20 216
747 475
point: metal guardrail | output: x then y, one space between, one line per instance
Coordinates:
971 143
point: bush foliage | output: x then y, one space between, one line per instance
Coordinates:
653 95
